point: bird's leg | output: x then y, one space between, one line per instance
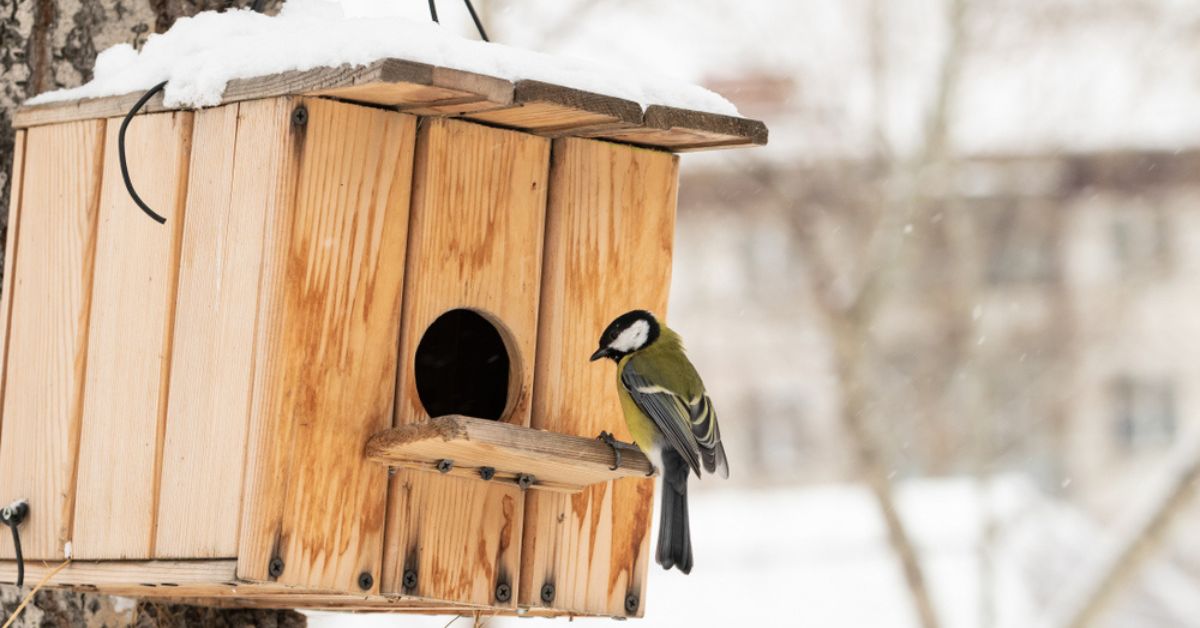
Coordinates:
617 446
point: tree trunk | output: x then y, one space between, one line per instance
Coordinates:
45 45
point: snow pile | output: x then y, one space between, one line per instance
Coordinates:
199 55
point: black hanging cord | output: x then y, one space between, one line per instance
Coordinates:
121 152
12 515
475 17
470 9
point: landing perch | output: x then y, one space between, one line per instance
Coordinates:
556 461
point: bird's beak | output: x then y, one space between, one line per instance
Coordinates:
602 352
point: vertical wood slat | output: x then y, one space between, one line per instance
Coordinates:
236 165
325 351
12 222
47 286
609 238
475 242
129 340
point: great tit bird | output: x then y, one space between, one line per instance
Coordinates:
670 416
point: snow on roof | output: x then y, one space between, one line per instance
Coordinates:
201 54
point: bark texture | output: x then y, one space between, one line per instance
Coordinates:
45 45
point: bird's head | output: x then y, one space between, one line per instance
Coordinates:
631 331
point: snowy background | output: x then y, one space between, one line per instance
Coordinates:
1013 185
996 201
947 316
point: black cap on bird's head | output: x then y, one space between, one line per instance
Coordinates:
630 332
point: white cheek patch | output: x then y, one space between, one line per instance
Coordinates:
632 338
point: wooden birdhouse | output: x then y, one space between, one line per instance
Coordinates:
237 403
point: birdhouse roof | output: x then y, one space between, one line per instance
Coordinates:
319 47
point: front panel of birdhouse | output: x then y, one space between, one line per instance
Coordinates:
478 215
609 234
195 409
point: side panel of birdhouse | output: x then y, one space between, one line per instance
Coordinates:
129 340
479 201
609 233
47 286
325 351
238 180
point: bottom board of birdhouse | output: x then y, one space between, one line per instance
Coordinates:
215 583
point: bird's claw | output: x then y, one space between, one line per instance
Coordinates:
612 441
652 472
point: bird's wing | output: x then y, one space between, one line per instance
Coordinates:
670 412
708 434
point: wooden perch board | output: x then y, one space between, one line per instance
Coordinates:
556 461
423 89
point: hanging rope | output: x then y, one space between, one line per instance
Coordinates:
470 9
121 152
475 18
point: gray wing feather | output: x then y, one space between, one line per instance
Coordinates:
670 413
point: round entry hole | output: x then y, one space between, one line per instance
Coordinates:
463 367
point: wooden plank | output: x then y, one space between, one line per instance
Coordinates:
424 89
389 82
234 186
325 351
534 106
552 459
52 245
12 226
475 242
129 340
682 130
609 237
545 108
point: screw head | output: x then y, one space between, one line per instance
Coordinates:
547 593
631 603
275 567
410 579
365 581
444 465
503 592
487 473
524 480
300 115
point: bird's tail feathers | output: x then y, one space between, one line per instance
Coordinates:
674 532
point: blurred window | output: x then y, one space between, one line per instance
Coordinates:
1139 242
1020 243
1144 412
779 429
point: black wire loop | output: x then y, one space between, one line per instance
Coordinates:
12 515
121 152
470 9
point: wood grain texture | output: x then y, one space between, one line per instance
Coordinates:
325 351
475 241
534 106
461 537
12 226
683 130
555 461
53 239
129 340
609 238
236 165
547 108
